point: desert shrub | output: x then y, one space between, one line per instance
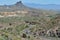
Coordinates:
21 27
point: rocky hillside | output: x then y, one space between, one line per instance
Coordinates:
20 9
19 22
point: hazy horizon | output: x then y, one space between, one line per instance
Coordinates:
9 2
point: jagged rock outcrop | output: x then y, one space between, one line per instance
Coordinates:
19 3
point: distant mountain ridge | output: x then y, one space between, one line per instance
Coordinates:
44 6
15 7
27 6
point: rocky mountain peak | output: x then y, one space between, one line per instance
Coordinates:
19 3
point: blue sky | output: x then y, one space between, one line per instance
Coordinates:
9 2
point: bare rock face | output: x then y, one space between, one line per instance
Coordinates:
19 3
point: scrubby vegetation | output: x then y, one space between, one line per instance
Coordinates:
29 27
19 22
